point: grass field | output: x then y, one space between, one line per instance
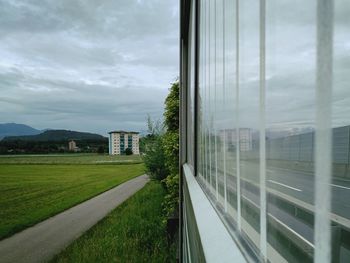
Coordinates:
30 193
69 159
133 232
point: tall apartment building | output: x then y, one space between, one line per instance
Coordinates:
245 138
119 141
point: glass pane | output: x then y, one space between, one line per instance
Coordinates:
290 109
341 134
190 93
248 120
230 106
229 122
202 81
211 94
207 171
219 101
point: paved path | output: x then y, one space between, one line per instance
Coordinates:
42 241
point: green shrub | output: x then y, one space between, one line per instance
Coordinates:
128 151
154 155
171 150
161 151
154 158
101 150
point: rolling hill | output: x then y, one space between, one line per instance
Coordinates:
56 135
14 129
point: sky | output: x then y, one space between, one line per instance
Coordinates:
290 65
87 65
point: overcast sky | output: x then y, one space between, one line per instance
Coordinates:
291 48
86 65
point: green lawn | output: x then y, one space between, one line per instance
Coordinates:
69 159
30 193
133 232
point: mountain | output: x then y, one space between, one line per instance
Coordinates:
14 129
57 135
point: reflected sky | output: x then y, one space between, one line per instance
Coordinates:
290 66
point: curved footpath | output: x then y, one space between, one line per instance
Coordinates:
45 239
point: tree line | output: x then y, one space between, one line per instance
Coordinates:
44 147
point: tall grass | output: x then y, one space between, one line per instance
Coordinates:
133 232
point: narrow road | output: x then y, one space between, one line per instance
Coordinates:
44 240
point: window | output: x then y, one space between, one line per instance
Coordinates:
267 127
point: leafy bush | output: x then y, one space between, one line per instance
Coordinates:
128 151
161 151
101 150
171 149
154 155
171 200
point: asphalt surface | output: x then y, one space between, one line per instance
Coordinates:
300 185
46 239
295 186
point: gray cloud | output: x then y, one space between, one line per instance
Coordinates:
290 66
86 65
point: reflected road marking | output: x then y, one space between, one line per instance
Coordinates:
344 187
287 186
296 189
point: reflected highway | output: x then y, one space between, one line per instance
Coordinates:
296 187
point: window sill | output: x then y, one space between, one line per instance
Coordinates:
216 241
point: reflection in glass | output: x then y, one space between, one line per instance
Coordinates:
229 127
290 107
340 202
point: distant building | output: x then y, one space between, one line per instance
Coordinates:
245 138
119 141
72 146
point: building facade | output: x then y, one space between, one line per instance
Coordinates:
119 141
229 137
264 67
72 146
